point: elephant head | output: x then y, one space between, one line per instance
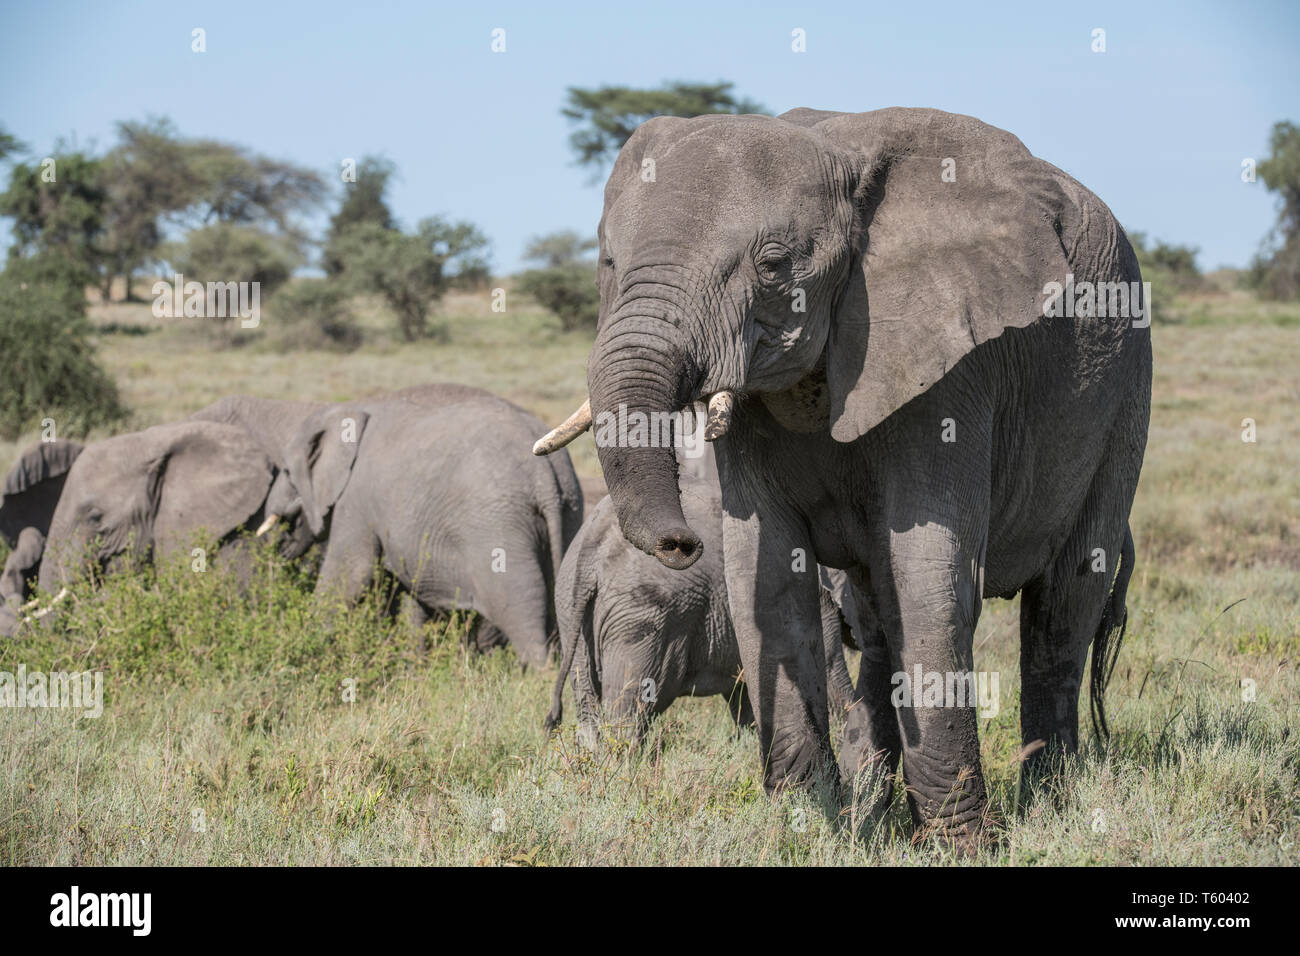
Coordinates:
148 492
319 463
831 265
32 487
274 424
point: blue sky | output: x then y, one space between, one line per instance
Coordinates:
1157 126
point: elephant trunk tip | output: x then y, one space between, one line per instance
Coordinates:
678 548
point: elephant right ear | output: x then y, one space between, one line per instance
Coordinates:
320 460
959 231
41 462
32 487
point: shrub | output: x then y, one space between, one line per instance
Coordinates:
568 291
49 367
316 313
228 253
411 271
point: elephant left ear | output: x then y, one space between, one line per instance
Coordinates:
958 235
208 476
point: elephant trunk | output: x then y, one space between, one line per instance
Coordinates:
635 377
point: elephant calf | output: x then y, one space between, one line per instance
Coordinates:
31 493
635 635
433 488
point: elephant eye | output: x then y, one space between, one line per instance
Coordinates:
774 263
607 261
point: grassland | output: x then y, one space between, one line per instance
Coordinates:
226 736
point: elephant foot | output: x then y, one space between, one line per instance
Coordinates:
966 841
951 806
801 765
869 752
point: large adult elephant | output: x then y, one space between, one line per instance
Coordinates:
862 298
434 485
145 495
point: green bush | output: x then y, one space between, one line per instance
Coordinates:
316 313
48 367
227 253
1171 270
568 291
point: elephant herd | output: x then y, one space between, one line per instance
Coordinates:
904 421
432 487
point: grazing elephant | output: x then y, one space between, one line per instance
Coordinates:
146 494
31 492
273 424
874 306
643 635
435 486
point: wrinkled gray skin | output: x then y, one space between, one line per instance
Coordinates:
439 490
30 494
923 302
146 495
635 636
273 424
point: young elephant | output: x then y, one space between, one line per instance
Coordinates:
635 635
31 493
435 487
146 494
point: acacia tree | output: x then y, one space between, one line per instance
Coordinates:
57 206
1276 270
363 201
149 179
609 115
566 282
410 271
9 144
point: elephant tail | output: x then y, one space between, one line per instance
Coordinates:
1109 637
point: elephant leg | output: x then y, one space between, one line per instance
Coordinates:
516 602
1061 613
838 683
352 560
24 562
13 582
776 612
929 599
870 744
633 688
586 684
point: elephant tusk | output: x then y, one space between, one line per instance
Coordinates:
721 405
268 524
37 615
573 426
